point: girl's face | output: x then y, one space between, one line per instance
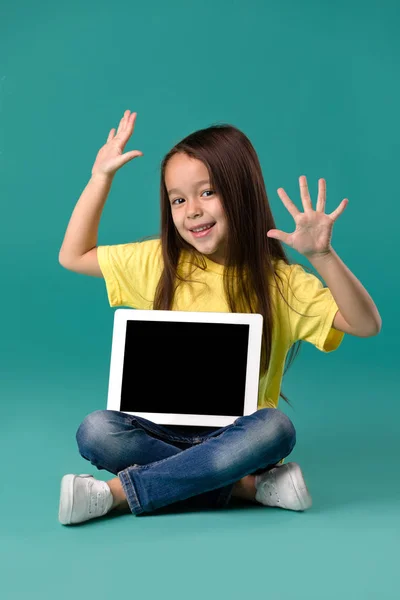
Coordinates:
194 204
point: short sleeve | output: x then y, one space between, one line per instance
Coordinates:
131 273
308 296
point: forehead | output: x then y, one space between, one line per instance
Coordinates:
182 170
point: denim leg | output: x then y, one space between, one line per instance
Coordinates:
252 442
113 440
110 440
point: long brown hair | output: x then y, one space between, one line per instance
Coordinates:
236 176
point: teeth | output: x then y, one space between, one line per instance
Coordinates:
202 228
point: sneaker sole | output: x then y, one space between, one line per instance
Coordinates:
303 495
66 499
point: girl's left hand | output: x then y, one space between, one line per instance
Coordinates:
313 232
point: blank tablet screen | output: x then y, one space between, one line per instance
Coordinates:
184 368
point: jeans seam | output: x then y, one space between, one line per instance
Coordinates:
172 438
156 462
130 492
166 436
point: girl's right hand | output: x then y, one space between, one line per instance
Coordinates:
110 157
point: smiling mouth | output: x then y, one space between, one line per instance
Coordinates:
202 231
202 227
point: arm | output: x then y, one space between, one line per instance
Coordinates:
78 251
358 314
81 234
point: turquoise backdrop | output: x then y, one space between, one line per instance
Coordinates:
316 88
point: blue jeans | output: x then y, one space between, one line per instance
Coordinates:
185 467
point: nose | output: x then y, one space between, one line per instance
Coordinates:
193 209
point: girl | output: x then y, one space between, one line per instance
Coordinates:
218 251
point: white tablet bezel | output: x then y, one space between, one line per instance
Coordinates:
122 315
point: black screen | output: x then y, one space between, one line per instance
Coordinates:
184 368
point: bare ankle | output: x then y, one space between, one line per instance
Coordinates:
117 491
245 488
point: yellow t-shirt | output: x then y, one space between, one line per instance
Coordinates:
131 272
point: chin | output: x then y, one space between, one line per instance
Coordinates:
209 247
208 250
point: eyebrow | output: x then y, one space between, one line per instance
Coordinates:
196 185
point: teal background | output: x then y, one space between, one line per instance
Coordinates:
315 86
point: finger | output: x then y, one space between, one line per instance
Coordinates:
294 211
277 234
321 201
123 122
121 125
130 156
111 135
342 206
127 129
130 119
304 193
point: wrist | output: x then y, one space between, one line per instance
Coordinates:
321 257
102 177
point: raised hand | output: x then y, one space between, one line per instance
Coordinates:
313 232
110 157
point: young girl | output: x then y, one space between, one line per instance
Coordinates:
219 251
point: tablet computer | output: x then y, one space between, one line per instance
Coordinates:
185 368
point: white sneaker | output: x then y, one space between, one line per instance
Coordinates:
283 486
82 498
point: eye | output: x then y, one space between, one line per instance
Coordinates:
205 192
